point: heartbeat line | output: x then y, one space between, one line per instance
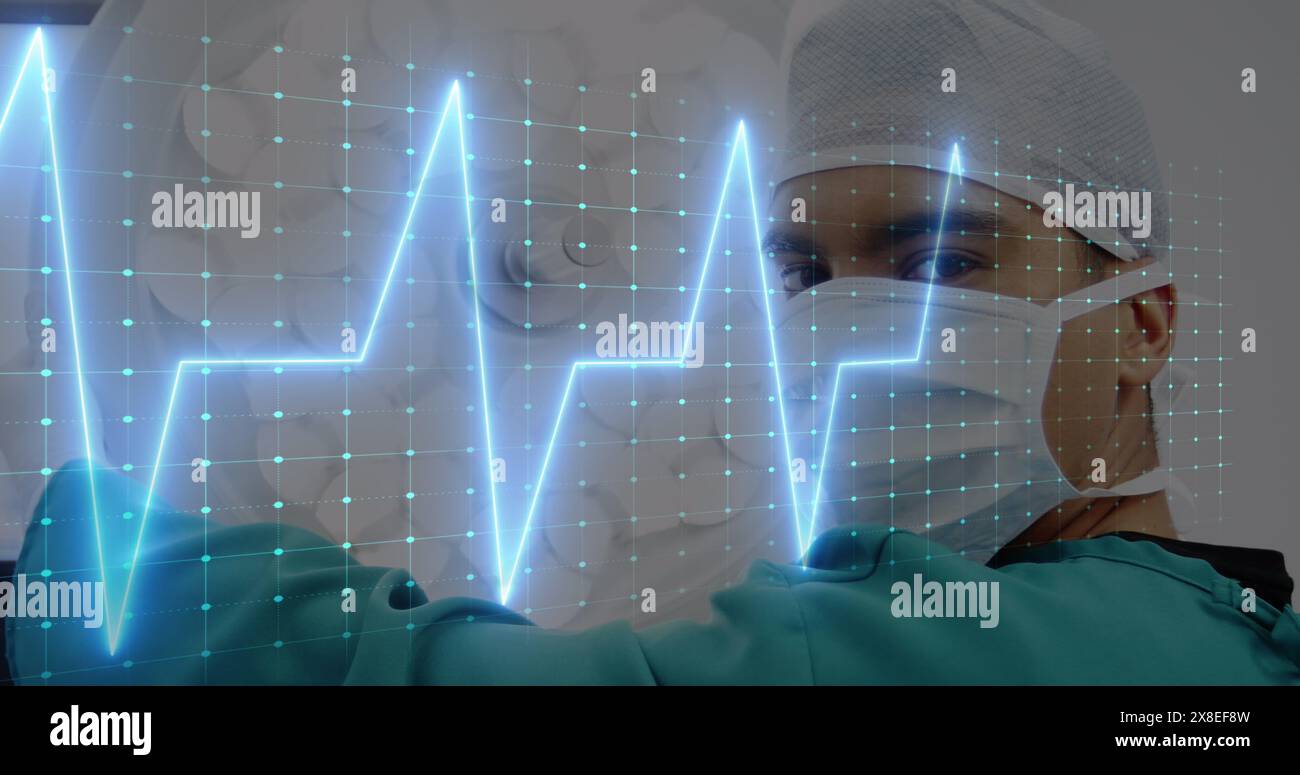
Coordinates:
507 558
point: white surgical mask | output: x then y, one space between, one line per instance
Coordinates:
945 441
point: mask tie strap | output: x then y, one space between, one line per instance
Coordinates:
1113 290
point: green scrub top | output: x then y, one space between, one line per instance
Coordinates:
1104 610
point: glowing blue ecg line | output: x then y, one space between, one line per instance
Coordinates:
805 529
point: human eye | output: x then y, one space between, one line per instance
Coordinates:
799 276
943 266
798 267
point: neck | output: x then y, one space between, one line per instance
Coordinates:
1091 517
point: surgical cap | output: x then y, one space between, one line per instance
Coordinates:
1036 105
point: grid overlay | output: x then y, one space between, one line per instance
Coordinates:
345 243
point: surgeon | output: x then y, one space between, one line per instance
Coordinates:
992 493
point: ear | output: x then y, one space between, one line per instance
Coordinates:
1147 339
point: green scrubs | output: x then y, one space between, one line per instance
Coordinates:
1104 610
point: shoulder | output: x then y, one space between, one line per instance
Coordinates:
892 607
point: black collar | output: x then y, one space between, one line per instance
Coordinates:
1263 570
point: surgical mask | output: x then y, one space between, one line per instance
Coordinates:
945 438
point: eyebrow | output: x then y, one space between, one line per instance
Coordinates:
915 225
960 220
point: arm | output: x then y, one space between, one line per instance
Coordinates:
277 617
